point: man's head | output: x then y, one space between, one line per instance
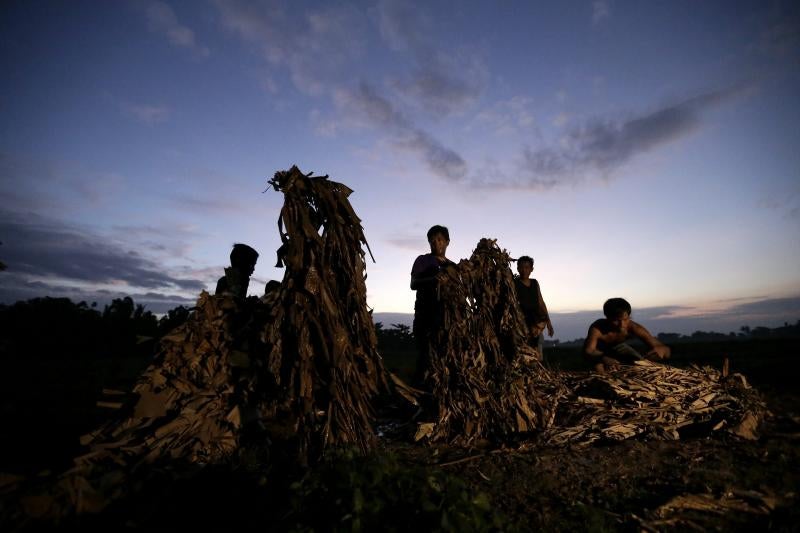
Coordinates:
439 239
243 258
618 312
525 266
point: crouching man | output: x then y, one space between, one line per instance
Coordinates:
605 345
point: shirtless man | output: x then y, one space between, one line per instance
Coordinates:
605 345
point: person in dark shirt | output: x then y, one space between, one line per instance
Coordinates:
605 345
426 308
237 276
529 294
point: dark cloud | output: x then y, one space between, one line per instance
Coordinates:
767 312
15 287
162 19
767 308
780 37
44 185
603 146
314 44
442 82
34 246
378 111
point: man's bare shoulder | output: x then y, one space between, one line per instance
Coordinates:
638 329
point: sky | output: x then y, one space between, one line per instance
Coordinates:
648 150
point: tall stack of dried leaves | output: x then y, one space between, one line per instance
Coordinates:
294 372
487 382
322 338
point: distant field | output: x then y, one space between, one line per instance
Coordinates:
772 361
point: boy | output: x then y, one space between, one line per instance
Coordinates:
237 276
605 345
530 299
423 280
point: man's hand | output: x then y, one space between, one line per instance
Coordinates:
658 353
609 362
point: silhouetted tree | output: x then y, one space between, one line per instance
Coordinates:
174 318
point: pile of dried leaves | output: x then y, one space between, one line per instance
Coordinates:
294 372
487 382
488 385
652 400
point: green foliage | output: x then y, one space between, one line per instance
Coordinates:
348 492
398 337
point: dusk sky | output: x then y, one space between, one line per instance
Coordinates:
649 150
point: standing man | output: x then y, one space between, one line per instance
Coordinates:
427 311
530 299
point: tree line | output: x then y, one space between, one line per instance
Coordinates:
59 328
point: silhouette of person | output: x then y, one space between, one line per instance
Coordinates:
529 294
605 345
237 276
427 312
272 285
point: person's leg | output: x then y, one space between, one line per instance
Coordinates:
422 341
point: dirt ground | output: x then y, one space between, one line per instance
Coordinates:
620 487
722 483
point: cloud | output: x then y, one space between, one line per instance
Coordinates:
780 38
786 202
408 243
601 10
15 287
439 86
169 240
376 110
443 81
198 204
560 119
44 185
162 19
146 113
315 47
52 251
506 117
602 146
766 312
768 309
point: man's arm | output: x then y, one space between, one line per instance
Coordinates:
590 352
418 281
658 350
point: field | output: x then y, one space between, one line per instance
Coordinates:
729 484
